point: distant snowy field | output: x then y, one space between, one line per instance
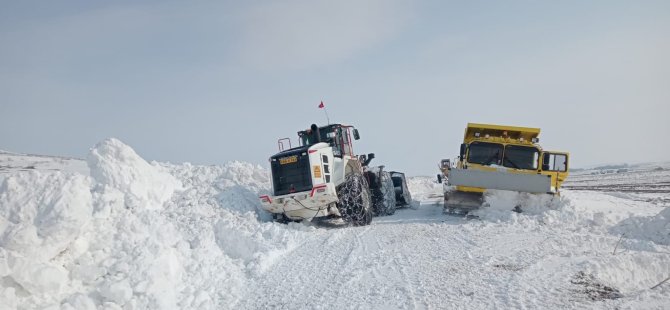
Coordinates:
114 231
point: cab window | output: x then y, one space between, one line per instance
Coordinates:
521 157
555 162
485 153
346 147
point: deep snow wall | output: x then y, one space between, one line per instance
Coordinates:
135 235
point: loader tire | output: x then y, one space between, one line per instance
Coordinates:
387 194
382 191
354 202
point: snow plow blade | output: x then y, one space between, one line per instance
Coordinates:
500 180
461 203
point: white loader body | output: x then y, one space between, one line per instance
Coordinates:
327 172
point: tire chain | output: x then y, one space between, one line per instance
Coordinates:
352 199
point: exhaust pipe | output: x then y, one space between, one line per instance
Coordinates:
315 131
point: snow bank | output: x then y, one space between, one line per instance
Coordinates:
422 188
116 165
588 212
630 272
134 256
43 212
653 228
41 215
136 235
227 200
235 185
499 206
156 252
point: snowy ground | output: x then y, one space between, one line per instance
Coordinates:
13 162
116 232
643 182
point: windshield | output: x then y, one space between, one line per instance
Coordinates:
308 137
335 135
485 153
521 157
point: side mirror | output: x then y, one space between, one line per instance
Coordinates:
445 163
365 160
439 178
464 148
357 136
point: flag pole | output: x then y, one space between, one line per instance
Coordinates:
323 106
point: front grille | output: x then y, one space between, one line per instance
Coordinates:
290 175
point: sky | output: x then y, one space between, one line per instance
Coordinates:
209 82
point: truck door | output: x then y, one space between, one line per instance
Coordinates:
556 164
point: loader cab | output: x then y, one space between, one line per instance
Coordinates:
338 136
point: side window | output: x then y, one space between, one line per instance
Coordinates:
555 162
326 167
345 141
337 147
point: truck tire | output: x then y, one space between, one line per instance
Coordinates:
354 202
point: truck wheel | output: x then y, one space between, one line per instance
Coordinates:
354 202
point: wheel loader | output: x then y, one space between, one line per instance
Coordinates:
323 178
498 157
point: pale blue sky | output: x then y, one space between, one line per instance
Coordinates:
209 82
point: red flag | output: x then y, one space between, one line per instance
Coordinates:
321 106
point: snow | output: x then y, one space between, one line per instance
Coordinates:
424 188
113 164
653 228
118 232
12 162
41 214
631 272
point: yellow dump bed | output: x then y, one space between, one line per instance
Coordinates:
513 132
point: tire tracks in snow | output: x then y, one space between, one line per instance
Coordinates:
308 276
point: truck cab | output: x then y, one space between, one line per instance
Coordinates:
511 149
504 158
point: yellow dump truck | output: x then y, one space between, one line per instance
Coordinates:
501 158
